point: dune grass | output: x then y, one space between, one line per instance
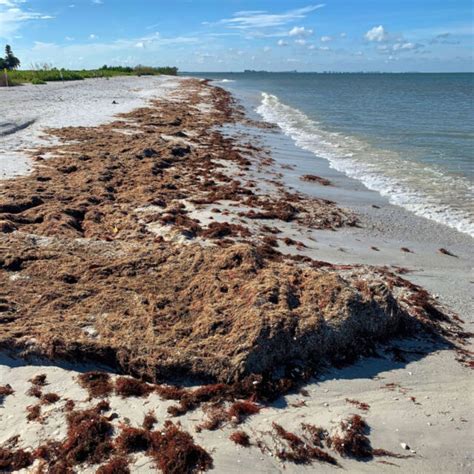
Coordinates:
41 76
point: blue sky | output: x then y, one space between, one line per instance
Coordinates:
232 35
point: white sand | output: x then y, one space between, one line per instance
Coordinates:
29 109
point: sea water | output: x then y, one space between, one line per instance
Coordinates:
407 136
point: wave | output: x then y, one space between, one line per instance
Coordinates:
225 81
425 190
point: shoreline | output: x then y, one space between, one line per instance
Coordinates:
196 233
442 196
383 225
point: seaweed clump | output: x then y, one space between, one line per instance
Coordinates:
129 387
33 412
117 465
360 405
88 437
217 414
133 440
50 398
241 438
241 410
299 450
97 384
12 461
88 440
149 420
37 383
190 399
39 380
172 449
5 390
353 441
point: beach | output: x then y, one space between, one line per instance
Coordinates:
154 227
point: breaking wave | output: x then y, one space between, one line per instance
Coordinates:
425 190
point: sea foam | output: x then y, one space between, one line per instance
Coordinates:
426 191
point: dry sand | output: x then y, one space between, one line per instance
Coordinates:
418 393
29 110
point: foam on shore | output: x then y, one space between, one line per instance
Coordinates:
425 191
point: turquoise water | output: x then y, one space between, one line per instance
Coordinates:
407 136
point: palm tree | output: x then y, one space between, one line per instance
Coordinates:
11 61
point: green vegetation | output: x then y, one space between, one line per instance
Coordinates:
41 74
38 81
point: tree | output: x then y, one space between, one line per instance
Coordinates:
2 64
11 61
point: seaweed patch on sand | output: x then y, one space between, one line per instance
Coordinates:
97 269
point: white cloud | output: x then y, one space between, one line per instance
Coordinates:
301 42
93 53
313 47
282 43
97 2
13 16
155 40
377 33
263 19
326 39
300 31
343 35
400 47
407 46
92 36
266 49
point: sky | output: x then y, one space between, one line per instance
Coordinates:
233 35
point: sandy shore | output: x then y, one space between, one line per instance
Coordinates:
30 110
417 394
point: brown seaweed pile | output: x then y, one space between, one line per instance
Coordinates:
84 273
160 311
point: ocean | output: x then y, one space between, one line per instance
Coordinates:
407 136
